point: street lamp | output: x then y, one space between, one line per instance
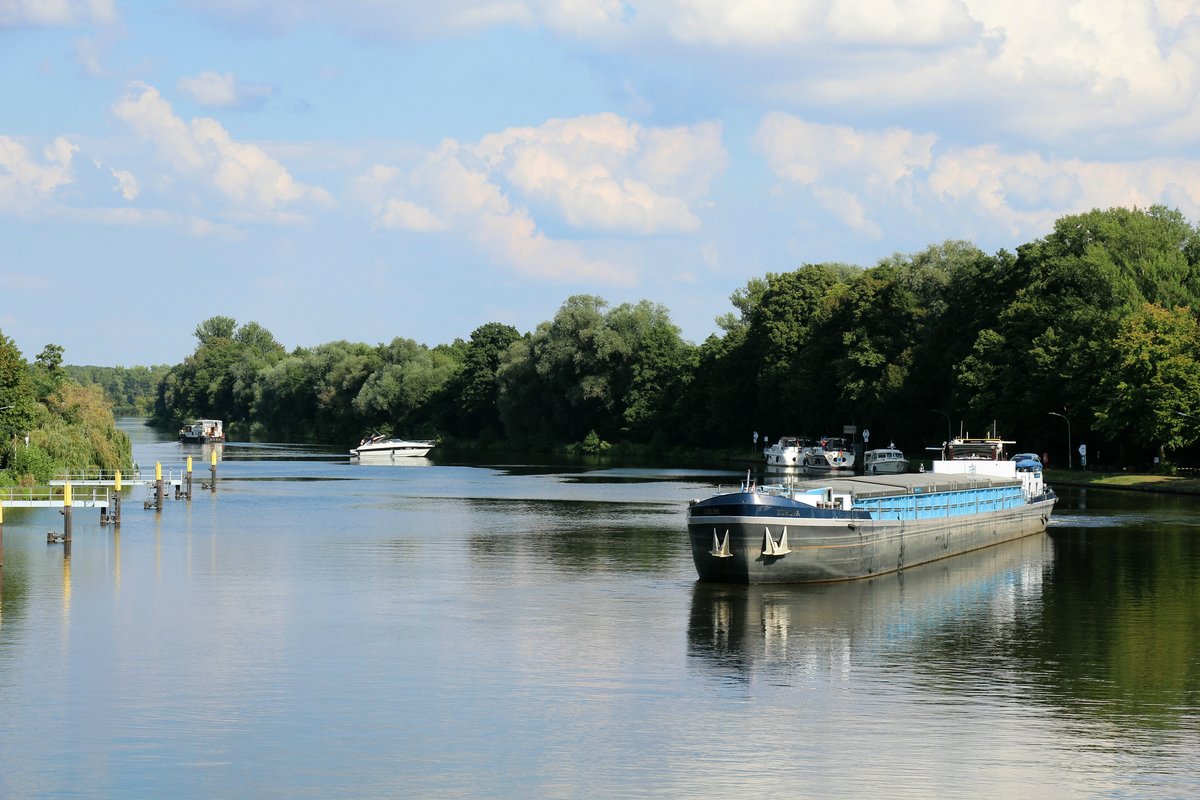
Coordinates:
1064 416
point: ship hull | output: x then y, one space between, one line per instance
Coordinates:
729 539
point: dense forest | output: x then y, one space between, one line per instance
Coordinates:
131 389
1093 325
49 422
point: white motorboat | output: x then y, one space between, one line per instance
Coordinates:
379 445
830 453
885 461
787 452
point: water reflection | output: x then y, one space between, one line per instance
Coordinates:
573 536
740 633
389 460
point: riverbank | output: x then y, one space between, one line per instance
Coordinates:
1133 481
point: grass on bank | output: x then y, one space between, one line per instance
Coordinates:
1150 482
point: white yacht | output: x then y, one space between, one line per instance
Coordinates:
885 461
380 445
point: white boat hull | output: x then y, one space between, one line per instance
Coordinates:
392 448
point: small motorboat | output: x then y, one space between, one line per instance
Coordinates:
885 461
380 445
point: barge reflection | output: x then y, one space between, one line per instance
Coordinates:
743 633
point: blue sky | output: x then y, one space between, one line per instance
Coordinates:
363 169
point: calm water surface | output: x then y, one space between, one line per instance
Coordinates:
324 629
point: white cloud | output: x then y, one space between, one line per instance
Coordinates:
862 176
831 158
402 214
18 13
251 180
603 172
847 208
778 23
803 151
127 185
213 90
1038 70
594 174
24 182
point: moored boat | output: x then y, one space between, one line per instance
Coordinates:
884 461
202 431
828 453
379 445
787 452
843 528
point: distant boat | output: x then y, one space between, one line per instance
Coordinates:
380 445
884 461
202 431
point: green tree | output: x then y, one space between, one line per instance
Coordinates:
218 327
476 388
1151 393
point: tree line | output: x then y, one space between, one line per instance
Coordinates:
49 422
1095 322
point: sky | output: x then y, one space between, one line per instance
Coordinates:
372 169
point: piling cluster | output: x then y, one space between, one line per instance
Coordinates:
110 513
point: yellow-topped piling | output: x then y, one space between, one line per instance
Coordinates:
189 465
67 513
158 486
115 512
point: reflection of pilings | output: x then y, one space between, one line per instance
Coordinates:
1 534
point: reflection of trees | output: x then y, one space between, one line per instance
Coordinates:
578 536
1110 632
14 587
1118 631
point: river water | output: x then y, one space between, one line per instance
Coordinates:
320 629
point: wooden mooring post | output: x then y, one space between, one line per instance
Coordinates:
65 538
158 486
113 512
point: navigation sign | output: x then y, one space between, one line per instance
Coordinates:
866 434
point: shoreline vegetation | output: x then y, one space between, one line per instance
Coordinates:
1086 338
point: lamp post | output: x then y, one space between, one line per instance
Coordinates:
1064 416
